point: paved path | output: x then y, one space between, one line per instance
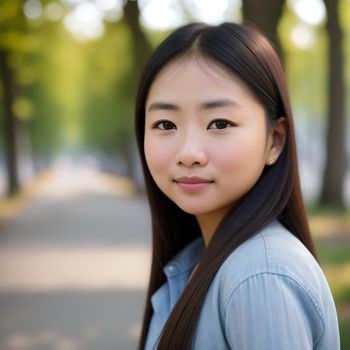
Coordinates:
73 266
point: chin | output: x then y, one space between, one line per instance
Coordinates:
193 210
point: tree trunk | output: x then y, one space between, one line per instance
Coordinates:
265 16
140 45
9 125
141 50
334 175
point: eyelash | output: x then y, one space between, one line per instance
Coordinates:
228 123
157 124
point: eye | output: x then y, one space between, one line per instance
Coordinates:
164 125
220 124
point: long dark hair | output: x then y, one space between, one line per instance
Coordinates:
276 195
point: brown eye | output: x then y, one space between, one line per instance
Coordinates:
220 124
165 125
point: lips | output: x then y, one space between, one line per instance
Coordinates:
193 183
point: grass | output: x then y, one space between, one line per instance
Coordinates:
334 255
331 231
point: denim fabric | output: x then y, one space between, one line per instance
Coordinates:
269 294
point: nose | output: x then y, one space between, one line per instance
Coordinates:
191 152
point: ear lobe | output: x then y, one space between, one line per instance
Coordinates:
278 134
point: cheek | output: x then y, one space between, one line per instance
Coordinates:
245 154
157 156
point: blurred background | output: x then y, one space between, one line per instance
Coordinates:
74 222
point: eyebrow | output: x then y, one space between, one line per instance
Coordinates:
224 102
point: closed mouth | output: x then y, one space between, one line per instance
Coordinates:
193 184
192 180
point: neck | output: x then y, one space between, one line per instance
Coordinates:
209 222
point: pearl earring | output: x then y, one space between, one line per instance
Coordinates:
270 162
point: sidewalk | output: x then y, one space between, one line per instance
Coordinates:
74 263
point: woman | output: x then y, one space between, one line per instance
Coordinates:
233 263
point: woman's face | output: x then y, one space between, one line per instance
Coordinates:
206 138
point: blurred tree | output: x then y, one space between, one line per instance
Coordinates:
29 114
141 47
107 109
265 15
141 50
11 21
9 129
335 168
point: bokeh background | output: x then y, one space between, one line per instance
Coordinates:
74 222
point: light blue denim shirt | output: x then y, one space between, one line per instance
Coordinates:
269 294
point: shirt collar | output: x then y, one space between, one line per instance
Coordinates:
177 272
186 259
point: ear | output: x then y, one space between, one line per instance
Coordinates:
277 140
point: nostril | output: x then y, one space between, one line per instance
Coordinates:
191 157
190 163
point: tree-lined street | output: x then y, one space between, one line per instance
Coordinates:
74 236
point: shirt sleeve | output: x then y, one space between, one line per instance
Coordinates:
271 311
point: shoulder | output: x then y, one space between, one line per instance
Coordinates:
273 274
274 255
273 250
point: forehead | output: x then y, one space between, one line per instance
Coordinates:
202 75
195 64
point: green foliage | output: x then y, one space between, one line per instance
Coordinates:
344 334
34 74
107 114
24 42
335 255
305 68
155 37
328 211
344 12
15 30
344 295
46 127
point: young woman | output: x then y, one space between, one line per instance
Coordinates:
233 264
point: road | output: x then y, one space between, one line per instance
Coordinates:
74 262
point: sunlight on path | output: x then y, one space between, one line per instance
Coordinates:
66 180
10 207
50 269
69 180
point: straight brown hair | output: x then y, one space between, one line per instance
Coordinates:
277 195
